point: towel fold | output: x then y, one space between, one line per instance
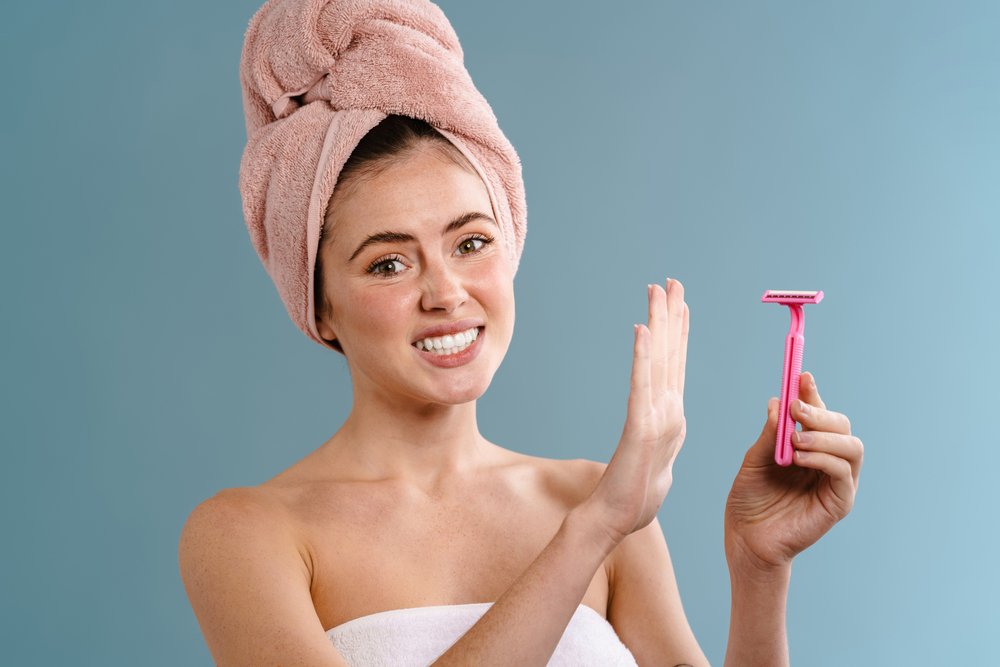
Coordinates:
418 636
317 75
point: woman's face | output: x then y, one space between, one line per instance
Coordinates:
413 248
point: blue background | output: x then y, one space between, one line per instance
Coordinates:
852 147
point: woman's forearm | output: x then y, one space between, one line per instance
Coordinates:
757 632
526 623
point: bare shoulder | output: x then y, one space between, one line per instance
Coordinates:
254 514
239 507
567 481
247 579
579 477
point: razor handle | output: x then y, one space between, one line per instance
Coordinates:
794 344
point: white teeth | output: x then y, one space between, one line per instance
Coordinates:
449 344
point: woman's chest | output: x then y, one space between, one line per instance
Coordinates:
379 550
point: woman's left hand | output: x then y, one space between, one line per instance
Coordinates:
774 512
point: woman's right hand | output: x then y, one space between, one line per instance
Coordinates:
637 478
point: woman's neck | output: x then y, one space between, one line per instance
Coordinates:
419 445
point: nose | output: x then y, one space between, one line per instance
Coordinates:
443 288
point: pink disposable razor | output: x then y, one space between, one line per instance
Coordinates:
794 346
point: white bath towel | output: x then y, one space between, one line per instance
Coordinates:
417 636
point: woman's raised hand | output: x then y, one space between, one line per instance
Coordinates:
640 473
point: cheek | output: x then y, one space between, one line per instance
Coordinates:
382 311
376 313
495 286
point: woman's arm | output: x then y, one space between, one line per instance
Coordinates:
248 581
757 633
774 513
526 623
645 607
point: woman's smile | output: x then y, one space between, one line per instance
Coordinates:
451 350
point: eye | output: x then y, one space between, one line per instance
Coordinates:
374 267
469 244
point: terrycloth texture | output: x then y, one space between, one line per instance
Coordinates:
317 75
416 637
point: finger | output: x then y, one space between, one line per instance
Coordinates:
675 319
808 391
639 393
820 419
658 327
682 366
762 451
847 447
839 472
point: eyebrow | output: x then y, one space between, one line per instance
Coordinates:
397 237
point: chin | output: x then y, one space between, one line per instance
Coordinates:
458 392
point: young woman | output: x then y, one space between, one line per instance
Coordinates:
408 538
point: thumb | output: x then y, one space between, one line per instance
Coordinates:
762 451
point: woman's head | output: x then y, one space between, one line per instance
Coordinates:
408 184
316 78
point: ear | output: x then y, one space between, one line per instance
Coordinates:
321 311
326 331
324 326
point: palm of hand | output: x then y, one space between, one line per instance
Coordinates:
640 472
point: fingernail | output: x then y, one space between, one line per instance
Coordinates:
802 438
803 407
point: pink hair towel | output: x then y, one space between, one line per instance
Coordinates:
317 75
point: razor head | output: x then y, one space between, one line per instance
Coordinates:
788 297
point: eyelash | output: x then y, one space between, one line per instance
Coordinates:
486 239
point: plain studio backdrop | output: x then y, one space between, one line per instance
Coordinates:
852 147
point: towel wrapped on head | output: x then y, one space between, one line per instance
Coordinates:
317 75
